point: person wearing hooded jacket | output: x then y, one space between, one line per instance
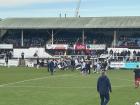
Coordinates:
104 88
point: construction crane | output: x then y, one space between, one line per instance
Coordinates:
77 8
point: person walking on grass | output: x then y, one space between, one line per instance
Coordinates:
104 88
51 67
137 76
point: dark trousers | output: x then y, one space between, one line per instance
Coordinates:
51 70
72 67
88 70
104 99
48 69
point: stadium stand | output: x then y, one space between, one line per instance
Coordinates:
90 36
31 39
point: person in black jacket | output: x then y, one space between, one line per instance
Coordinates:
22 55
88 67
6 61
37 63
137 76
72 64
51 67
104 88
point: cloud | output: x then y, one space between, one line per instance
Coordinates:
5 3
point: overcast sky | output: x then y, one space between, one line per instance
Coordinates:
52 8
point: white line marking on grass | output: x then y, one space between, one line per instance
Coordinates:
60 87
66 75
13 83
123 79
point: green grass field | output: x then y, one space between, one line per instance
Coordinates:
28 86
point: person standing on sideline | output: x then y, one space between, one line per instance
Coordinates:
48 65
83 67
37 63
104 88
72 64
137 76
6 60
51 66
88 67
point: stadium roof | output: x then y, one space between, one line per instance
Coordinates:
71 22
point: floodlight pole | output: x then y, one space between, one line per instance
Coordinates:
22 38
77 8
115 35
0 34
52 36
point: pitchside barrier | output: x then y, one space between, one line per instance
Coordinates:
125 65
11 62
27 62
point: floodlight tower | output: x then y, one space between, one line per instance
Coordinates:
77 8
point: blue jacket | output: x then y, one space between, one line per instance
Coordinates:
103 85
51 65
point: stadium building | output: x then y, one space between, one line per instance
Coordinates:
114 38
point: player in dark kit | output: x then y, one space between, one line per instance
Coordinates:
137 77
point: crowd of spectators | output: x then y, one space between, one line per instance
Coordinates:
88 39
38 38
125 55
95 53
6 53
129 42
27 42
29 39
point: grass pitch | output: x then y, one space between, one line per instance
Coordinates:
30 86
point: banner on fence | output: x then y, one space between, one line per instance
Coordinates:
96 46
57 46
6 46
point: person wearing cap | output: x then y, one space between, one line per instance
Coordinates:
137 76
104 88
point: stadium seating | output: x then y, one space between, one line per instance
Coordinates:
31 39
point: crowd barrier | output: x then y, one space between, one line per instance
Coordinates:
11 62
125 65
